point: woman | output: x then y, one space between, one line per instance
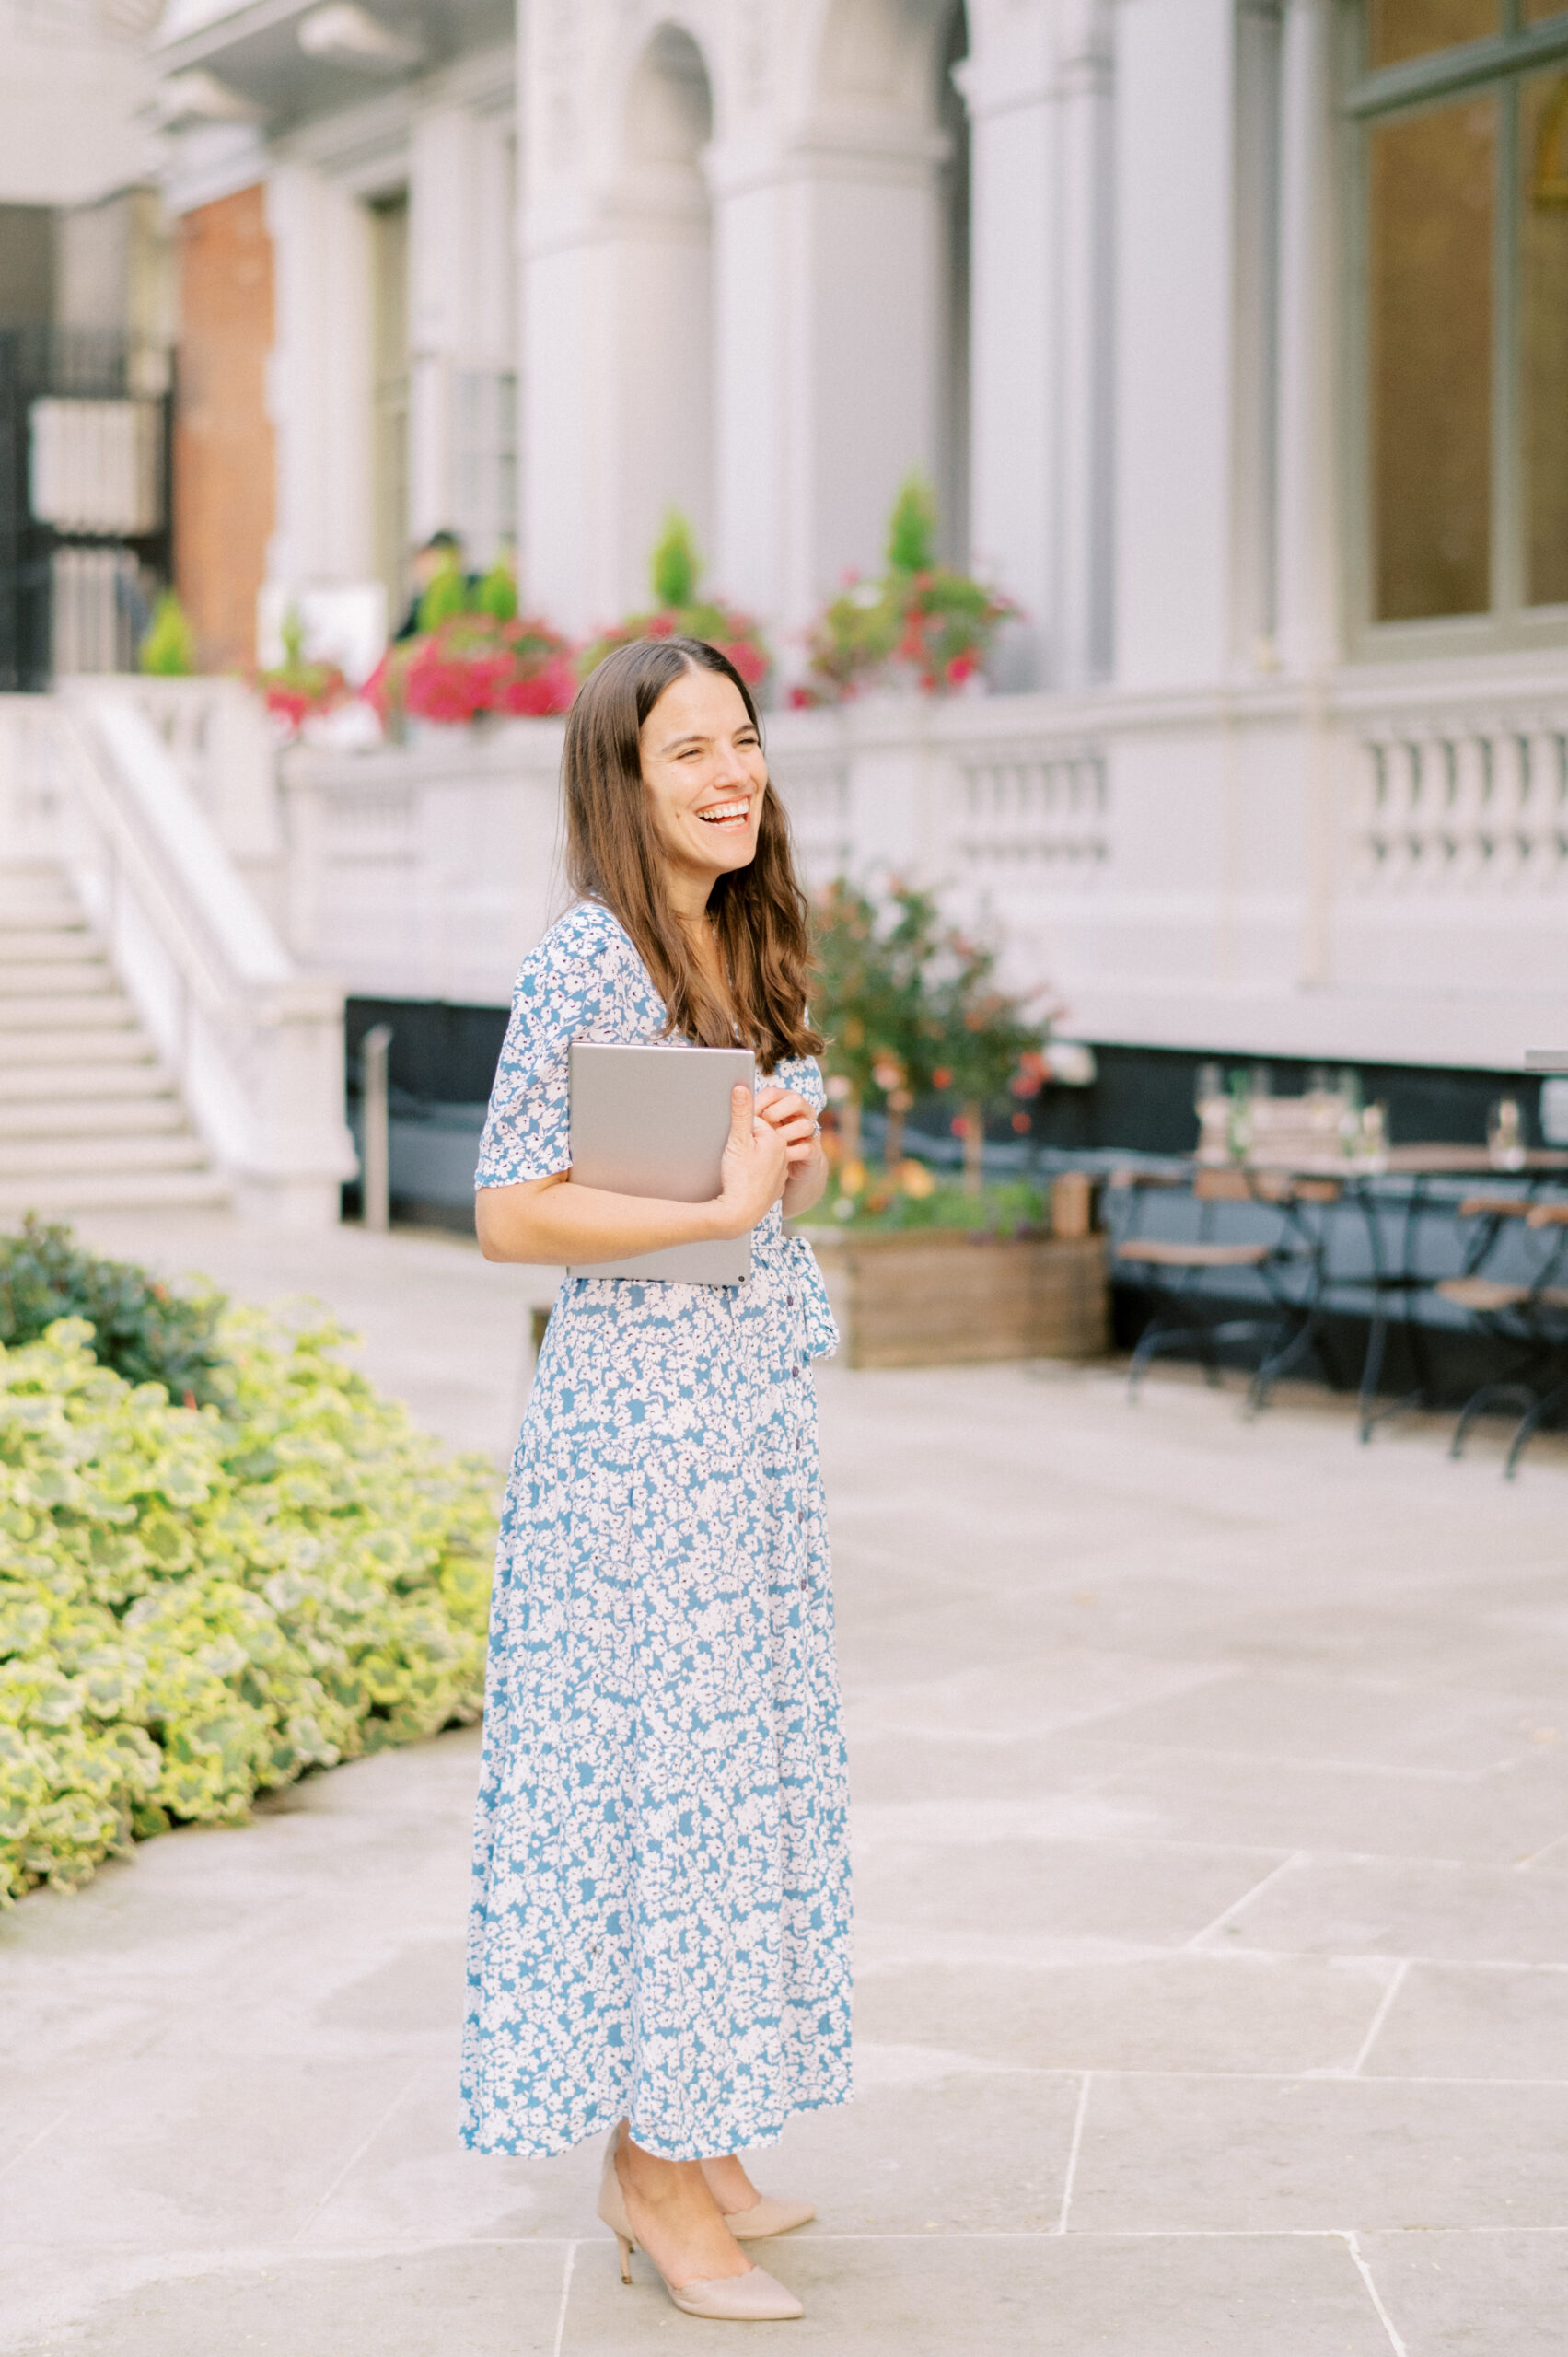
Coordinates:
659 1941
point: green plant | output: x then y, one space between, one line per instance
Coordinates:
446 593
145 1330
295 688
169 650
497 593
911 528
871 998
198 1605
991 1043
676 568
681 612
921 617
898 1200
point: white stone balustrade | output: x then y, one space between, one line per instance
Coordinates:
1372 865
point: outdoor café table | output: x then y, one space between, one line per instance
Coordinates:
1403 1181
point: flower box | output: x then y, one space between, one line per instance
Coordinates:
939 1296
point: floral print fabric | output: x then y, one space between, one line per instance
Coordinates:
661 1916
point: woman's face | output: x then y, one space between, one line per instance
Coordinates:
704 768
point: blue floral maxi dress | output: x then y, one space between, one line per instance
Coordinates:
661 1917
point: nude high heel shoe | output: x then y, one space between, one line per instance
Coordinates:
753 2298
769 2215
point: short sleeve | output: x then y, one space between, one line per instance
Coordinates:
561 995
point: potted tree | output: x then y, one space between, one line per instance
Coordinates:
921 1270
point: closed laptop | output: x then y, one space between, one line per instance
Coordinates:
653 1121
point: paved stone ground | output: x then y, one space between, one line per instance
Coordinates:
1213 1891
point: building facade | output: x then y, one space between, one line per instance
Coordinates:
1229 329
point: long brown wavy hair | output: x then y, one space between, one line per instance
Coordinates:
614 855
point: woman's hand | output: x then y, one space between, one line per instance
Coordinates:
755 1168
792 1117
794 1121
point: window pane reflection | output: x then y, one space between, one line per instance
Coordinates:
1543 334
1430 267
1401 28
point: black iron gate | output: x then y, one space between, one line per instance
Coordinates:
54 562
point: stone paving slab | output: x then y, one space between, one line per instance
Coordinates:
1211 1787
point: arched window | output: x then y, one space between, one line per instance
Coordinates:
1462 115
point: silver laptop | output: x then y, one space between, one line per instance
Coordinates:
653 1121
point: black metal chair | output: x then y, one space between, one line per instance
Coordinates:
1529 1314
1289 1265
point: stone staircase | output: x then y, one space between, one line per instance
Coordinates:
90 1119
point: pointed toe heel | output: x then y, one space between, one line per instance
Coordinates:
753 2298
769 2214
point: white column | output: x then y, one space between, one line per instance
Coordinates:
1307 597
441 227
1174 247
1008 83
319 382
752 411
862 242
1039 91
1086 317
617 409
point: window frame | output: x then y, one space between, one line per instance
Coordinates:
1498 63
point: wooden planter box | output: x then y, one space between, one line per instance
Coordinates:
945 1297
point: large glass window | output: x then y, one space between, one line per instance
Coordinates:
1463 106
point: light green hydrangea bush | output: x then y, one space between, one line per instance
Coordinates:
196 1604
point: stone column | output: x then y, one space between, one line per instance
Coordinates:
320 379
1174 230
1307 599
1040 92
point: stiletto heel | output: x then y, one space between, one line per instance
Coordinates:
755 2297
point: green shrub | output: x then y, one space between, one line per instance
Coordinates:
198 1604
146 1331
169 650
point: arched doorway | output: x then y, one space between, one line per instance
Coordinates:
663 258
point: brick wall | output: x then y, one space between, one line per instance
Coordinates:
222 439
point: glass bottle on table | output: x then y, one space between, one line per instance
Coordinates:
1211 1107
1504 1134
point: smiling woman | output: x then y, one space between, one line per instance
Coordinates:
660 1923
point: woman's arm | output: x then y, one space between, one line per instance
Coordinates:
547 1221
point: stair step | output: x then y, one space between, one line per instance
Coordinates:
47 1045
33 978
50 1116
105 1190
35 944
54 1158
98 1011
23 1080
